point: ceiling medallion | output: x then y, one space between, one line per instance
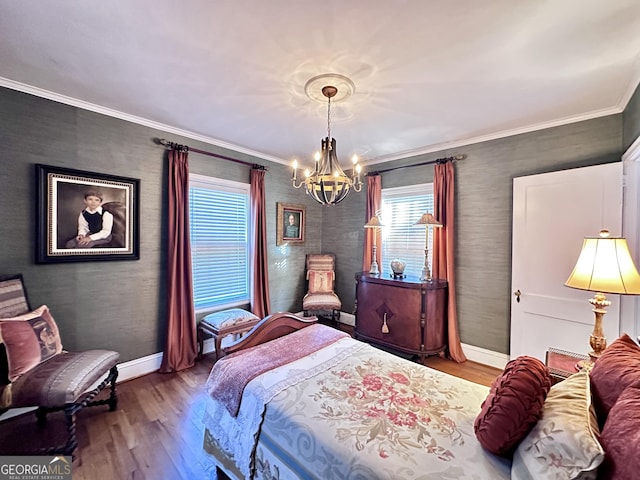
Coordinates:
313 87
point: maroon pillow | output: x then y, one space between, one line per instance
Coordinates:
29 339
514 405
616 369
620 438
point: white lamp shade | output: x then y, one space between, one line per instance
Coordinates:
605 265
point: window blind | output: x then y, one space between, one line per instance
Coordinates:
219 229
401 208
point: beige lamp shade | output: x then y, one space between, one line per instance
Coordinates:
374 222
605 265
428 219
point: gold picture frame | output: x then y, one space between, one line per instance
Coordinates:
290 224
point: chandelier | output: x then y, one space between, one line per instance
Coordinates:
328 184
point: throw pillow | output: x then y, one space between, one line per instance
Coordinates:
621 437
513 405
320 282
564 442
29 339
613 372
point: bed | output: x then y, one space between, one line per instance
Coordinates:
298 400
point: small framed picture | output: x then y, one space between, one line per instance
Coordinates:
86 216
291 219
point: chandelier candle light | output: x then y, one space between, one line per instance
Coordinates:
374 222
604 266
328 184
428 220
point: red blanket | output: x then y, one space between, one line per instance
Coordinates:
231 374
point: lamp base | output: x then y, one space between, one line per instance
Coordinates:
374 268
426 275
584 365
597 340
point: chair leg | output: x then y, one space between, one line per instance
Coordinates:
218 347
41 416
72 441
113 396
200 337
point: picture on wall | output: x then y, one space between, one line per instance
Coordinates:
85 216
290 227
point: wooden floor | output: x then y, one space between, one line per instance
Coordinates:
157 431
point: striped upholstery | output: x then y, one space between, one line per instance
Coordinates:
62 379
320 262
13 297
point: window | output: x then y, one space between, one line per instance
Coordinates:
219 229
401 208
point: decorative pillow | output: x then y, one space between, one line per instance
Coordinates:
229 318
621 437
513 406
29 339
564 442
320 282
615 370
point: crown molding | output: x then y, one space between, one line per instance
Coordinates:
39 92
74 102
495 136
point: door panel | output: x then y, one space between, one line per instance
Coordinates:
552 213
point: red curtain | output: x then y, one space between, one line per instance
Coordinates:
181 347
374 204
444 248
260 304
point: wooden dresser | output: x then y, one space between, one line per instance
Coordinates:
404 314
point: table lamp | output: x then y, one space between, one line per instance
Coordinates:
428 220
604 266
374 222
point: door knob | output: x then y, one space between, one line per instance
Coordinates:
517 293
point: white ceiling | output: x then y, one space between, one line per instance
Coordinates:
428 74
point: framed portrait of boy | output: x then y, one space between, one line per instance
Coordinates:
86 216
290 220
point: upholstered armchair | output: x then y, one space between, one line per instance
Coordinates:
35 371
320 276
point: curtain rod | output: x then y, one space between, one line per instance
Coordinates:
177 146
430 162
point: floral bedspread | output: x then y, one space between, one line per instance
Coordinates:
351 411
375 415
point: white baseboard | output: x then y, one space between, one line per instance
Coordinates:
348 319
139 367
484 356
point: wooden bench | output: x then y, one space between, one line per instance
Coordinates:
220 324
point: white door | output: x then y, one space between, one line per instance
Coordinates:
552 213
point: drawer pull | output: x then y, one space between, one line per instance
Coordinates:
385 327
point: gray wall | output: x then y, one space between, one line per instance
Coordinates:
483 214
631 117
118 305
121 306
